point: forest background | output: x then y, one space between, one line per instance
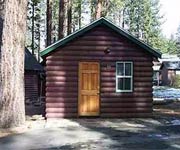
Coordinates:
50 20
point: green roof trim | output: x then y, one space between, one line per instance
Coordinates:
107 23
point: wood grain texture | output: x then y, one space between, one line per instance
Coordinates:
12 44
89 83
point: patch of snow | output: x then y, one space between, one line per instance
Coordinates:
158 99
159 136
176 146
175 122
166 93
132 125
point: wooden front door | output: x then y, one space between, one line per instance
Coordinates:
89 89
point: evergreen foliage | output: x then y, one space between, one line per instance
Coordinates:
142 18
35 25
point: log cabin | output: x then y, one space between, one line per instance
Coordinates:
169 70
99 71
33 78
157 77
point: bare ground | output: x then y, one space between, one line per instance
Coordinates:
165 112
160 132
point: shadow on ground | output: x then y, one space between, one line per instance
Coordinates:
102 134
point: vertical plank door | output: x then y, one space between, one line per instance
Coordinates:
89 89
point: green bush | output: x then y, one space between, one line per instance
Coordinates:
177 81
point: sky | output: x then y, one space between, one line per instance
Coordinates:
171 11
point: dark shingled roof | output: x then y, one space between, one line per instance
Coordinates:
31 63
174 65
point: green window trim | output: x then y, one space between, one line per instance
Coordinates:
124 77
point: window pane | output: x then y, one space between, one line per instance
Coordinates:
120 83
120 69
128 69
127 83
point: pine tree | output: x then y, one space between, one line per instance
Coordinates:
55 20
155 28
79 13
36 26
143 20
61 18
178 33
76 14
178 41
12 111
49 23
99 8
93 4
114 11
133 16
69 16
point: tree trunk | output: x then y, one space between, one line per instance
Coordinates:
61 19
39 42
12 110
93 10
69 13
49 22
123 18
79 14
32 44
99 9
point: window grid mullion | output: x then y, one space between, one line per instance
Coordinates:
123 77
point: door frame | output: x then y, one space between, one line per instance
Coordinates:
89 61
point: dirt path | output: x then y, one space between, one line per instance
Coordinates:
160 132
167 110
101 134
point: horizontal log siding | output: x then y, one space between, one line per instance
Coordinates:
62 76
31 87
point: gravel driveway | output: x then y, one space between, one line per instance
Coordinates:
161 132
100 134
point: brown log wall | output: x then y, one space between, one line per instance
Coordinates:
62 76
31 86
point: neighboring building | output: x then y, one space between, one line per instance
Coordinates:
169 70
169 57
100 70
33 78
166 69
157 78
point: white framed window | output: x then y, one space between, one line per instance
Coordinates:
124 76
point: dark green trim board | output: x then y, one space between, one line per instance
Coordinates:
101 21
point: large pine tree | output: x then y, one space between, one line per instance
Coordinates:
143 20
12 111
